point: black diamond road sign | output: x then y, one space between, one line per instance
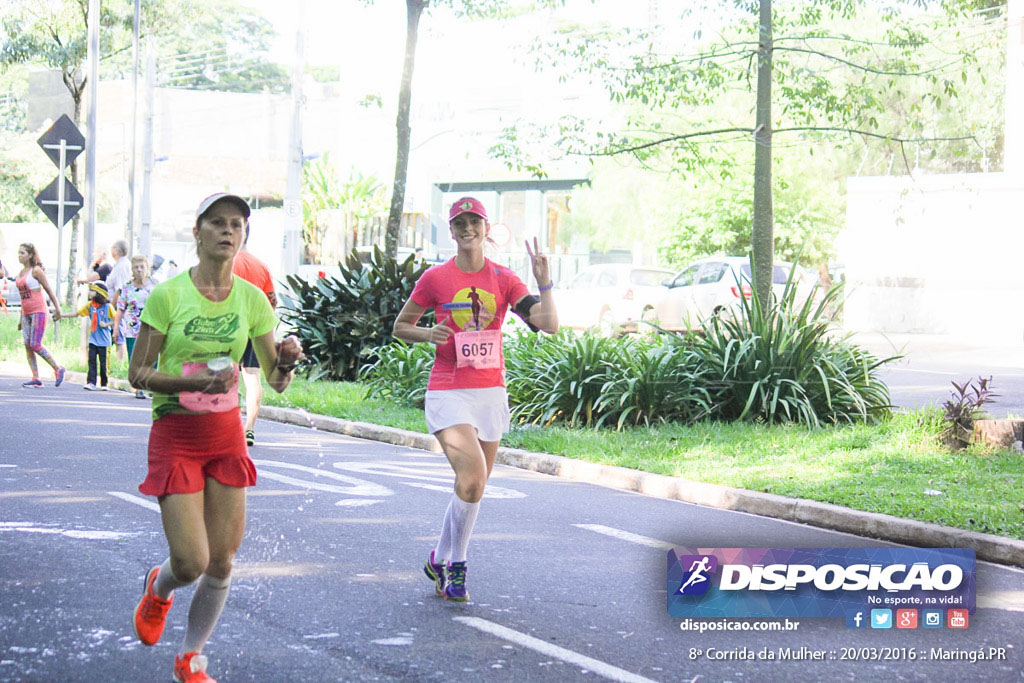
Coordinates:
47 200
63 129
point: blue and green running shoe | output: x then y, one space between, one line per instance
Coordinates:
455 588
435 572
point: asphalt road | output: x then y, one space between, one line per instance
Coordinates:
567 579
929 365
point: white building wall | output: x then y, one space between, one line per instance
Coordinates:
935 255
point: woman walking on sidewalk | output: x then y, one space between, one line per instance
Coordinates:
197 324
466 402
128 303
31 283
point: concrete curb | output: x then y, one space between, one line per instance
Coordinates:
885 527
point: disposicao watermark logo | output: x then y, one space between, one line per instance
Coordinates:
840 583
696 580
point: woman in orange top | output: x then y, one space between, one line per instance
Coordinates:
31 282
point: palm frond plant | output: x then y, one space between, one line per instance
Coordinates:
655 380
784 363
559 377
399 373
343 320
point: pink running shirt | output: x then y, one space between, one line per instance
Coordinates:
31 292
466 302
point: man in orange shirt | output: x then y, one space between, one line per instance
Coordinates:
250 268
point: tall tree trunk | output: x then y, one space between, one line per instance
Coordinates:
414 9
762 237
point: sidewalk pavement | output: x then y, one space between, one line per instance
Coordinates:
884 527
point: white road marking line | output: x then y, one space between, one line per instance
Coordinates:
70 533
545 648
148 504
1009 601
356 502
626 536
442 482
355 487
495 492
400 642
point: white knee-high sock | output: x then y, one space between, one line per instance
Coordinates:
166 581
443 550
463 519
207 604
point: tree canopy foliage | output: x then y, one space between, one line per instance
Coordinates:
857 87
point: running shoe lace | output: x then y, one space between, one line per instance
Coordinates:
153 608
457 574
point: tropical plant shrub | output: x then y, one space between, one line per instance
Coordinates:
400 373
963 408
657 381
560 377
783 363
343 321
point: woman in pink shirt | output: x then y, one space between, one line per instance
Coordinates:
31 282
466 403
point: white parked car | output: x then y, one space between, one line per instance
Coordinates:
709 286
611 297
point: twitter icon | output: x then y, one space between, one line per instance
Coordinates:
881 618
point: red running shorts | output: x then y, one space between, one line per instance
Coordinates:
186 449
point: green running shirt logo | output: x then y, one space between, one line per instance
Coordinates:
219 329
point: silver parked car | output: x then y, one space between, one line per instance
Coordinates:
710 286
611 297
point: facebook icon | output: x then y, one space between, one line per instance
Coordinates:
856 619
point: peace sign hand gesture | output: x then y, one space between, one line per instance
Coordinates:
539 263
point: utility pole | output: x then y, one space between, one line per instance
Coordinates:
145 229
135 128
1013 146
293 192
90 135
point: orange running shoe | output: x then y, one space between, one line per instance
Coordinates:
151 612
191 668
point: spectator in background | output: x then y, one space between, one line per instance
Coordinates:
128 303
172 269
250 268
3 287
155 273
99 269
120 274
101 323
32 282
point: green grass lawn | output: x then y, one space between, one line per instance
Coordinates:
892 468
66 351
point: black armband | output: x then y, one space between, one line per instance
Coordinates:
522 309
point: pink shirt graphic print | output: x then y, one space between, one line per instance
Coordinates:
474 305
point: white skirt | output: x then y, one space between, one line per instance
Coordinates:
484 409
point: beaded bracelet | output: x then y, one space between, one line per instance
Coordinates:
546 287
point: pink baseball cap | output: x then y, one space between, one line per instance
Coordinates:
467 205
205 205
